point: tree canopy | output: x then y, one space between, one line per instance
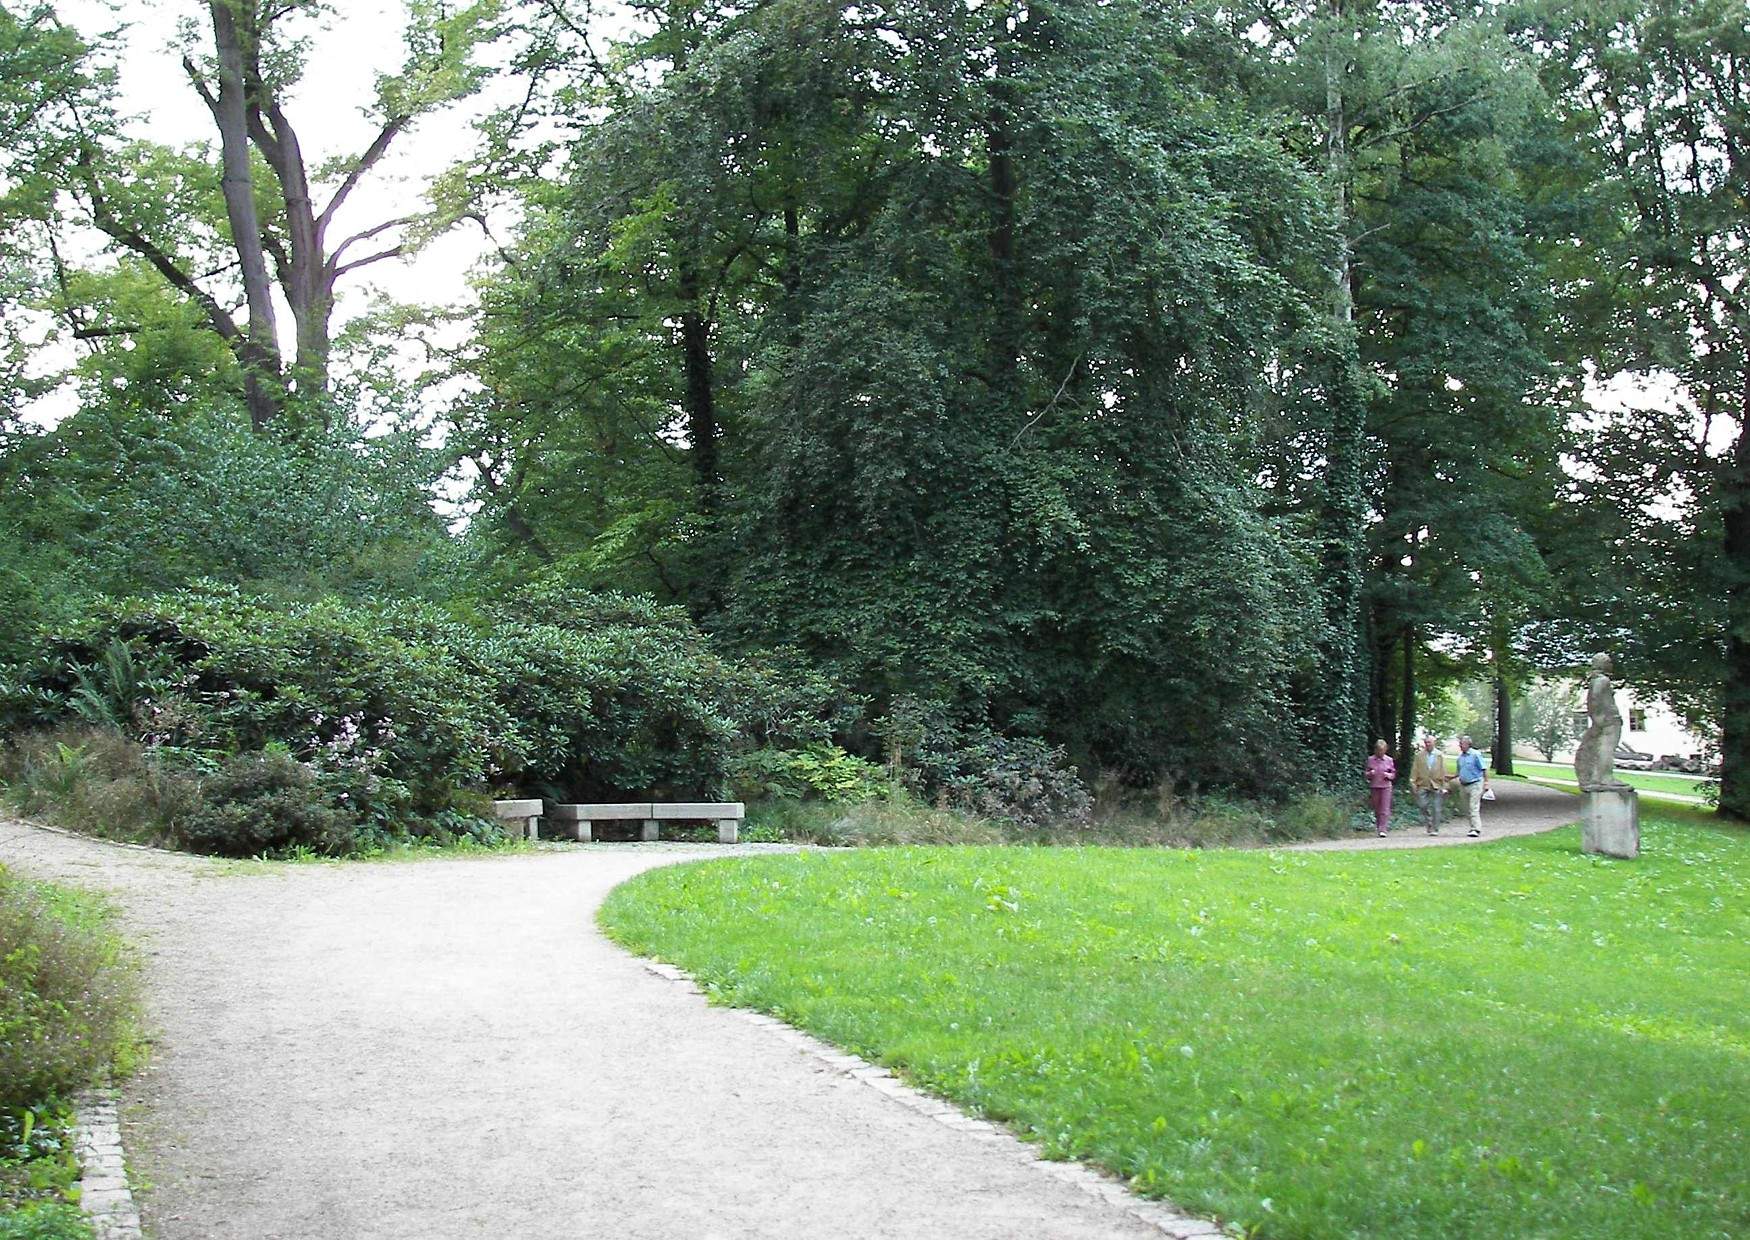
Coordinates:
1180 385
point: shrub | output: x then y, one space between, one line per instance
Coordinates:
66 999
821 772
336 684
607 710
573 695
47 1221
263 802
981 771
893 821
1160 817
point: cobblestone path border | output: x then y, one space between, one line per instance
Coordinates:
103 1184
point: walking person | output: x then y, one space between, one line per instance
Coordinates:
1473 781
1429 780
1381 771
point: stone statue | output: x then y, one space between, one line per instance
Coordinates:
1595 757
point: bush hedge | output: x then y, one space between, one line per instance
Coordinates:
268 724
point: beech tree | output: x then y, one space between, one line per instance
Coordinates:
278 234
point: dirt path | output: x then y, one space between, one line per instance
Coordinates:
449 1048
1519 809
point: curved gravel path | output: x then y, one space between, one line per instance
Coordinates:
448 1048
1519 808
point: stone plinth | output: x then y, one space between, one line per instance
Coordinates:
1611 822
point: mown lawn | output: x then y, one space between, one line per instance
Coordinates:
1646 781
1505 1040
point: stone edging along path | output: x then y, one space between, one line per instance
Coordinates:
103 1184
1097 1184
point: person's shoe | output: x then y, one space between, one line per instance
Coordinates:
1474 831
1382 835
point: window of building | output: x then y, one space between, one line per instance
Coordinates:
1637 719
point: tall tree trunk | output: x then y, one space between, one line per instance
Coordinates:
1407 700
1379 719
258 350
1343 674
701 405
1501 756
1006 331
1735 691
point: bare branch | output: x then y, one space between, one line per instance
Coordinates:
133 239
367 260
1050 405
98 333
368 233
372 154
200 85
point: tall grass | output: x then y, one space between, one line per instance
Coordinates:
1149 819
68 1017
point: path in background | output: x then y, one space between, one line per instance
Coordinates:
1679 797
449 1048
1518 809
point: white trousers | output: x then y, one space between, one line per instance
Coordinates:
1470 804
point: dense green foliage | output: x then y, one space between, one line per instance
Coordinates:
122 500
1136 389
1429 1043
306 723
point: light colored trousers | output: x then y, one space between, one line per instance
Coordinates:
1470 803
1430 801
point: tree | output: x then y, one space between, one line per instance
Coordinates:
1656 93
991 320
1547 717
1422 122
278 232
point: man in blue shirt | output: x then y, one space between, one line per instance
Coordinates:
1473 781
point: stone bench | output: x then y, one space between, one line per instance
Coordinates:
725 815
526 814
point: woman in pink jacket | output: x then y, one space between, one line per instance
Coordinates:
1381 771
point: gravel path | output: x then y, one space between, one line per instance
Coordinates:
1518 809
448 1048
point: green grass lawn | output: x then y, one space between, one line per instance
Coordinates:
1682 785
1505 1040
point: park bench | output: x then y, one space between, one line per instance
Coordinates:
525 814
726 816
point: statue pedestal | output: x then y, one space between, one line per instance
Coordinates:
1610 821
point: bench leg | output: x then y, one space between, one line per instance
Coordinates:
584 833
728 830
532 828
651 826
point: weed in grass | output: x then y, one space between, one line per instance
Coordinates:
1509 1039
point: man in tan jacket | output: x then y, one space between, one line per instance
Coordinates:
1429 780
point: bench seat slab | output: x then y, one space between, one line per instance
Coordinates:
702 811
